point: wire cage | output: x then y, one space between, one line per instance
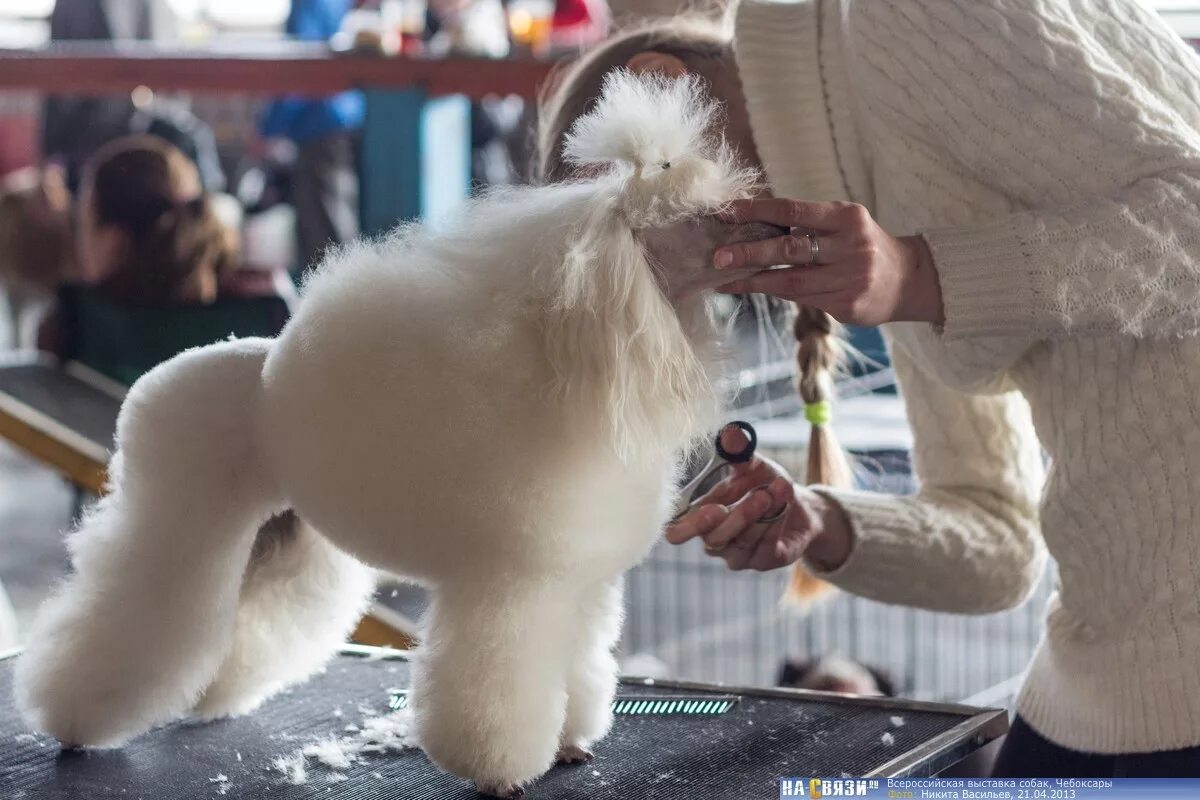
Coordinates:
697 620
705 623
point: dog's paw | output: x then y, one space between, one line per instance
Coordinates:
571 754
508 791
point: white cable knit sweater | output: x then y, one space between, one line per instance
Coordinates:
1049 150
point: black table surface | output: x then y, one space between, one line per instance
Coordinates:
765 735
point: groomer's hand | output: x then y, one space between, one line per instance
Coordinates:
862 274
728 518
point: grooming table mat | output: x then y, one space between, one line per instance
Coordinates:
65 399
733 743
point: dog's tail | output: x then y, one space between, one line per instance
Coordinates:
140 629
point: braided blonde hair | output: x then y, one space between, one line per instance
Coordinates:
701 43
819 353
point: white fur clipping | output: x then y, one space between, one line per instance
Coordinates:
659 135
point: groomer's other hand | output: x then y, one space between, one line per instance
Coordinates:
863 275
728 518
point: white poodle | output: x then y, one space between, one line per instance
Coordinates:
494 409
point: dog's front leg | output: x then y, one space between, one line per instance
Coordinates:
592 672
489 684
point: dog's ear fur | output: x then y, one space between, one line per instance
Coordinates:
617 347
619 350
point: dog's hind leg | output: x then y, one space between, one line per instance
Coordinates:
300 600
489 684
133 636
592 672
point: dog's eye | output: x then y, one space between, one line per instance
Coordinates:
665 164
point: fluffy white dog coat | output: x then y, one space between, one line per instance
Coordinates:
493 409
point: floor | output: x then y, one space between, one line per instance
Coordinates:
35 510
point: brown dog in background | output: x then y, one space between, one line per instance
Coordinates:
37 250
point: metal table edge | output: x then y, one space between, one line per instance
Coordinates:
979 726
947 748
893 703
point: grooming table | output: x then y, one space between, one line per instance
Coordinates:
64 417
704 742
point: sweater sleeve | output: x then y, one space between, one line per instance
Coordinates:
969 540
1086 116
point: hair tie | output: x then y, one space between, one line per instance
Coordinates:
819 413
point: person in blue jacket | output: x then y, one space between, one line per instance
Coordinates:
325 131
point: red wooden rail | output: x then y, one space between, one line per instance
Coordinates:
271 68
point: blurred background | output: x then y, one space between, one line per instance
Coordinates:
413 106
